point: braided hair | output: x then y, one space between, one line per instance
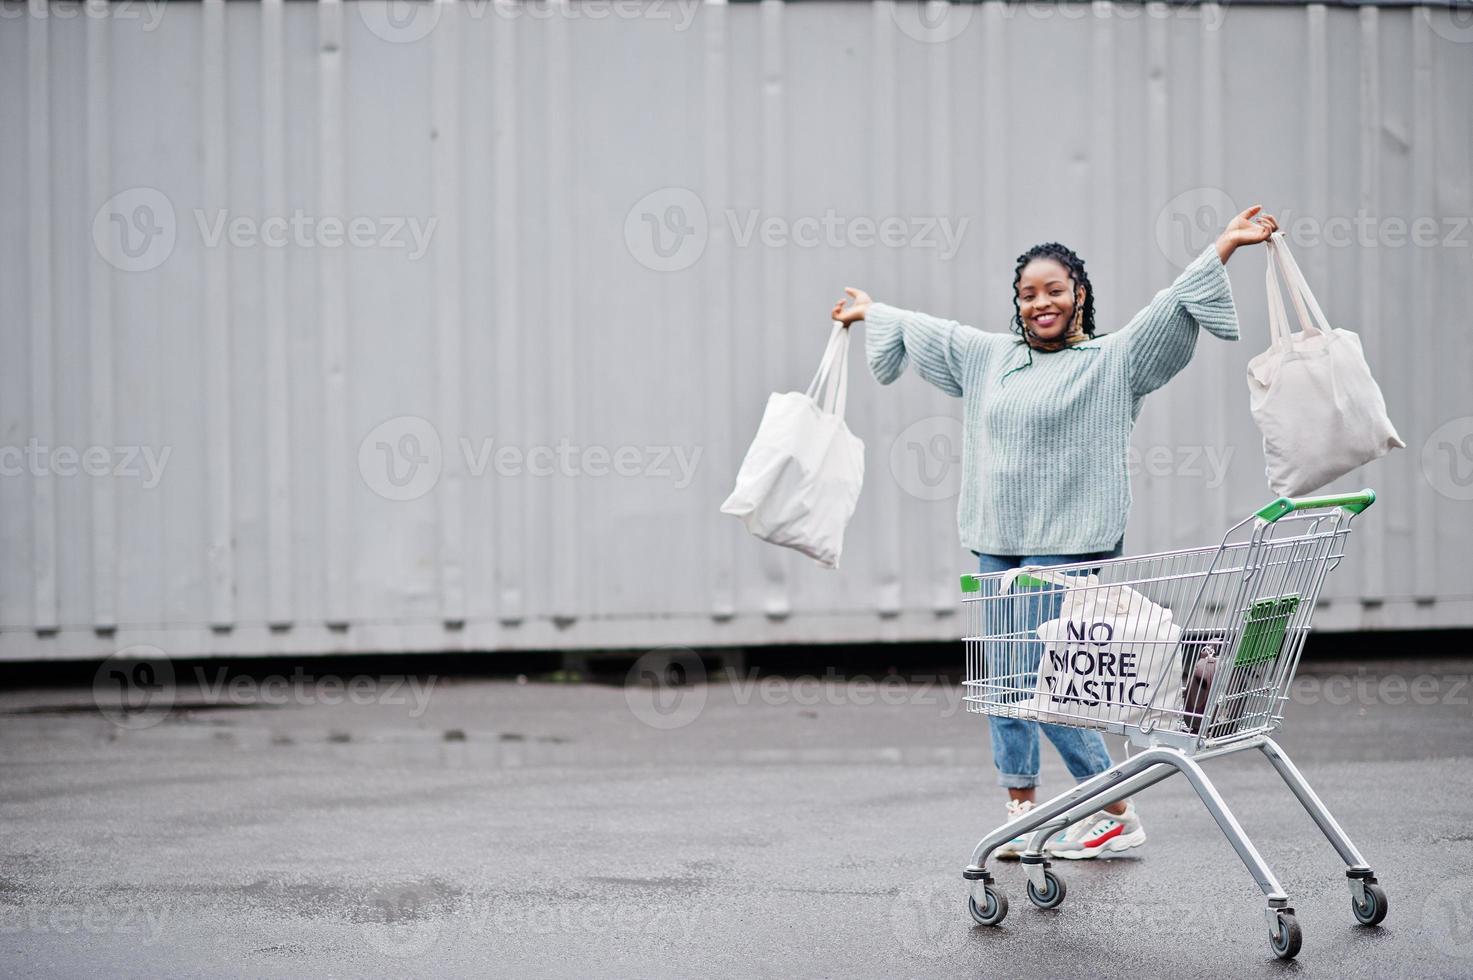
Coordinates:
1075 266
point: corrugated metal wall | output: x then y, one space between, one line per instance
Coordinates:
418 327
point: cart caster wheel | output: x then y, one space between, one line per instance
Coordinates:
1053 892
1286 941
1374 910
993 912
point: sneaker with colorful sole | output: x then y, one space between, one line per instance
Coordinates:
1103 833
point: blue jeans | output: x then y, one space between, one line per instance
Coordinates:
1015 740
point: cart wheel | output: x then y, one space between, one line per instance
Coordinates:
1286 941
993 912
1374 910
1053 892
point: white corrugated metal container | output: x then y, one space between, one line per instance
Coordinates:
358 327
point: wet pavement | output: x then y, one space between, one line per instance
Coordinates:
302 826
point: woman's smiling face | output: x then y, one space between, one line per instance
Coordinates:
1047 298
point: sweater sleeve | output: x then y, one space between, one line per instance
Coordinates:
941 350
1161 338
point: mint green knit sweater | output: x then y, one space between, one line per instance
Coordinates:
1044 453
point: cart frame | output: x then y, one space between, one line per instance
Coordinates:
1233 717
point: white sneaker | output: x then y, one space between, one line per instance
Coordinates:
1102 833
1017 845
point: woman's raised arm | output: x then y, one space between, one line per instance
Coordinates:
944 352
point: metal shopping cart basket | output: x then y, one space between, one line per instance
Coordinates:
1188 654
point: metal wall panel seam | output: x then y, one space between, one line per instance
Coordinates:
1425 202
717 296
280 587
881 160
508 496
446 191
1373 576
562 367
214 111
941 535
1220 396
1158 419
777 602
333 302
100 320
1316 150
43 326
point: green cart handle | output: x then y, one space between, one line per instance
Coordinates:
1354 502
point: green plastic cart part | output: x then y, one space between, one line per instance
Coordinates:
1034 582
1263 631
1353 502
971 583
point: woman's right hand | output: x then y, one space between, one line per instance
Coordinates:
858 301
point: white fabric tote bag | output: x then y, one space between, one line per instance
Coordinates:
800 480
1111 657
1311 393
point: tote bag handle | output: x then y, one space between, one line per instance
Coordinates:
1311 318
832 379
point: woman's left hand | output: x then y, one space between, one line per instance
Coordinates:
1248 228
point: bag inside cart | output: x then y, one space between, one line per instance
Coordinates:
1110 657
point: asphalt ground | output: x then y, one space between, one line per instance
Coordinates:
794 826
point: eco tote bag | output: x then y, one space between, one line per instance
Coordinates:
1311 393
800 480
1111 657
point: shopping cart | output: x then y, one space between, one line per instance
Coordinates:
1188 654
